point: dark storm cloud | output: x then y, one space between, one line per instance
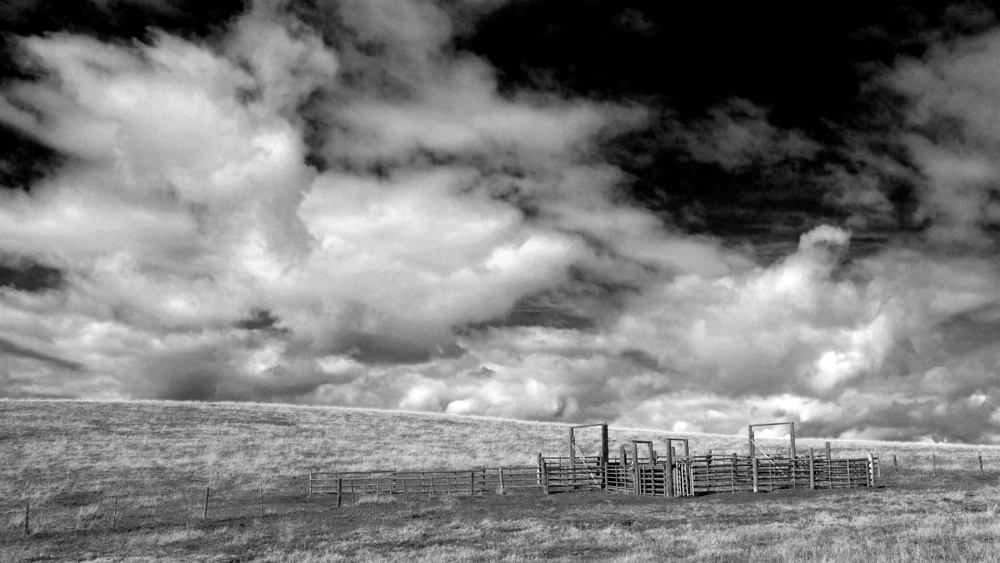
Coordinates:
27 275
8 347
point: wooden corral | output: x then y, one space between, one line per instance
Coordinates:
641 472
637 469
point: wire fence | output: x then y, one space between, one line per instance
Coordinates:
48 511
66 511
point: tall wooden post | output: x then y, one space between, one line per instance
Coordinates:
572 448
637 472
871 470
828 456
980 464
791 437
732 476
812 469
340 491
205 513
27 518
604 455
668 478
753 452
753 463
541 464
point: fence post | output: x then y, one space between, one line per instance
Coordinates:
980 464
540 464
472 483
668 476
261 498
732 475
895 468
500 471
27 518
545 478
812 469
828 456
114 514
204 514
753 462
871 470
638 474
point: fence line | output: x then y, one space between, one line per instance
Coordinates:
425 482
64 510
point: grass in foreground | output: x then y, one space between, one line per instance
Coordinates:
77 453
935 523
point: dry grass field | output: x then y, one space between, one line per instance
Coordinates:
69 459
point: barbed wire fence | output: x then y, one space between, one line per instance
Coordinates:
46 512
49 510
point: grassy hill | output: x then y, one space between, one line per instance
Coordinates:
68 459
57 444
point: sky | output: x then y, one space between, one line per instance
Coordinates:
686 218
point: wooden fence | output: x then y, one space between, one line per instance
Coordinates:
685 476
425 482
696 475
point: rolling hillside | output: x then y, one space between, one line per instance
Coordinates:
54 445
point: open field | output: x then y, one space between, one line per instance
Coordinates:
78 455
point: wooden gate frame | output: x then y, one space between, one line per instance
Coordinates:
753 445
604 449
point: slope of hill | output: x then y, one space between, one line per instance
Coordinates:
155 444
129 481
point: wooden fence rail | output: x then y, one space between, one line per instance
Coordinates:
682 476
425 483
711 474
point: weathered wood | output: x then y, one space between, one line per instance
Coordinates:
756 487
572 448
812 469
733 473
980 464
871 470
340 492
204 514
669 473
791 437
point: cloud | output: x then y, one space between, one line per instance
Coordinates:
737 134
952 119
331 204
